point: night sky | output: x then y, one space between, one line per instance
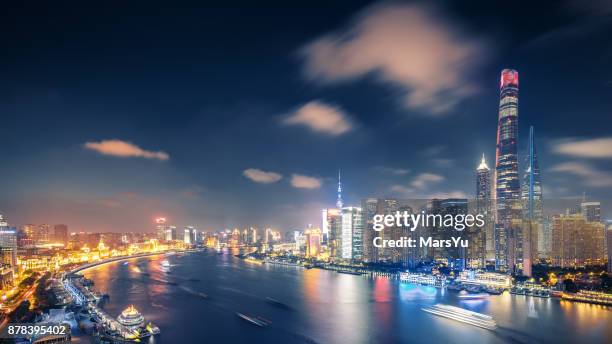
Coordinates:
241 114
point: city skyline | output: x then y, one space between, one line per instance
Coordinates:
67 159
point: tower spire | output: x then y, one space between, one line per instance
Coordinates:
339 200
483 164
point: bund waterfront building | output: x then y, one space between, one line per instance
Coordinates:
507 189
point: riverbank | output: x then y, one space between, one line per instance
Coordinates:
115 259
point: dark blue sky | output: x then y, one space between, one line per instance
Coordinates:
237 114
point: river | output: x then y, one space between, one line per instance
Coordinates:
324 306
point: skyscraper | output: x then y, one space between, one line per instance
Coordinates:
532 183
313 242
577 242
8 245
332 224
352 233
60 234
508 233
532 205
370 208
454 256
484 236
160 229
591 211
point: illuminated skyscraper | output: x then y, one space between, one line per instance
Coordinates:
160 229
313 242
370 208
532 205
352 232
483 237
60 234
591 211
187 237
8 245
507 188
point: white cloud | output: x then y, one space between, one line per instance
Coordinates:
590 175
321 117
305 182
407 45
124 149
259 176
593 148
433 150
393 170
445 195
424 179
401 189
443 162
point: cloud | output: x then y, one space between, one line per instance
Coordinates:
593 148
124 149
424 179
406 45
443 162
433 150
259 176
401 189
451 194
321 117
591 176
305 182
393 170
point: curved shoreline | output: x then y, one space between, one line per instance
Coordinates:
111 260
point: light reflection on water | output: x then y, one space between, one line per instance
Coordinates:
325 307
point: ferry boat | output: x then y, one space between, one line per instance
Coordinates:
131 318
277 303
254 260
281 262
258 321
588 296
472 296
494 291
462 315
432 280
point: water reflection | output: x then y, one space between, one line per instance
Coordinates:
326 307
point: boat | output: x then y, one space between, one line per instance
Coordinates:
126 263
588 296
254 260
494 291
131 318
165 263
276 303
253 320
517 291
423 279
473 296
462 315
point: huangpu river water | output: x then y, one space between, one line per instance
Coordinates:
325 306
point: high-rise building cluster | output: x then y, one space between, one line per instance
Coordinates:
516 234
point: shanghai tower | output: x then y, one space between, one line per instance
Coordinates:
507 188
